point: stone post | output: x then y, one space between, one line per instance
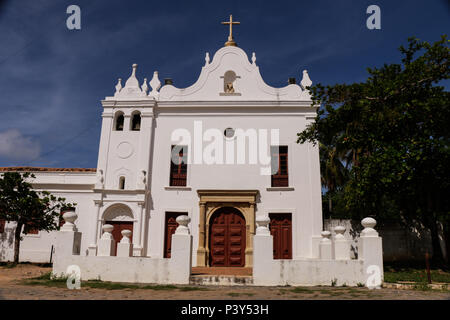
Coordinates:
371 252
92 248
106 243
180 263
265 270
125 247
341 244
68 239
325 246
138 248
250 235
201 251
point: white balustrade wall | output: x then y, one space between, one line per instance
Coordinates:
332 266
124 267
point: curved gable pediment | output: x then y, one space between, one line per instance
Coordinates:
217 83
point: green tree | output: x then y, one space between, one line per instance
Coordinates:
31 210
396 124
333 173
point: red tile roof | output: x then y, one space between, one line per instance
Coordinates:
3 169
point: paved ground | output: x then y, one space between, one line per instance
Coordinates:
12 288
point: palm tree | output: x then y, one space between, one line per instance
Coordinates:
333 172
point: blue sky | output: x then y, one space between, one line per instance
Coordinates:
52 79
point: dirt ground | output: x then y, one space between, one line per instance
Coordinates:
11 288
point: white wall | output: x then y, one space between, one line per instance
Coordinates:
302 200
72 186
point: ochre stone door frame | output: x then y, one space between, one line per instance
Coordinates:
212 200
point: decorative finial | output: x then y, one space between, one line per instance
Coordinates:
144 86
133 74
253 58
230 41
119 85
155 84
306 81
207 59
182 221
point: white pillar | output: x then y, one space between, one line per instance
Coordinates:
325 246
107 125
68 239
371 252
265 270
126 122
315 252
180 263
341 244
106 243
67 243
145 149
137 247
143 222
125 247
92 248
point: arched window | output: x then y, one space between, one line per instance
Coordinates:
136 121
122 183
119 122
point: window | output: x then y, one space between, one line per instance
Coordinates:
136 122
119 122
122 183
279 156
2 225
178 166
33 231
229 133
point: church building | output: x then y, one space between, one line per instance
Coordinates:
222 151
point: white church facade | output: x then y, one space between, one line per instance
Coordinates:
222 152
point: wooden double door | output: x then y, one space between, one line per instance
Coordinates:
281 231
119 226
227 238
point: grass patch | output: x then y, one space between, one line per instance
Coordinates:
160 287
237 294
8 265
416 275
47 280
108 285
422 287
48 283
301 290
336 293
193 289
283 291
45 276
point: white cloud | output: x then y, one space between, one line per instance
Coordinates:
15 146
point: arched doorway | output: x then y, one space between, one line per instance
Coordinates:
227 238
121 217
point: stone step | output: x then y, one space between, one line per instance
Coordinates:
221 280
223 271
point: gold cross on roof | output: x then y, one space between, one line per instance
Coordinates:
230 41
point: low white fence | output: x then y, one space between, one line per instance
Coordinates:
333 266
124 267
